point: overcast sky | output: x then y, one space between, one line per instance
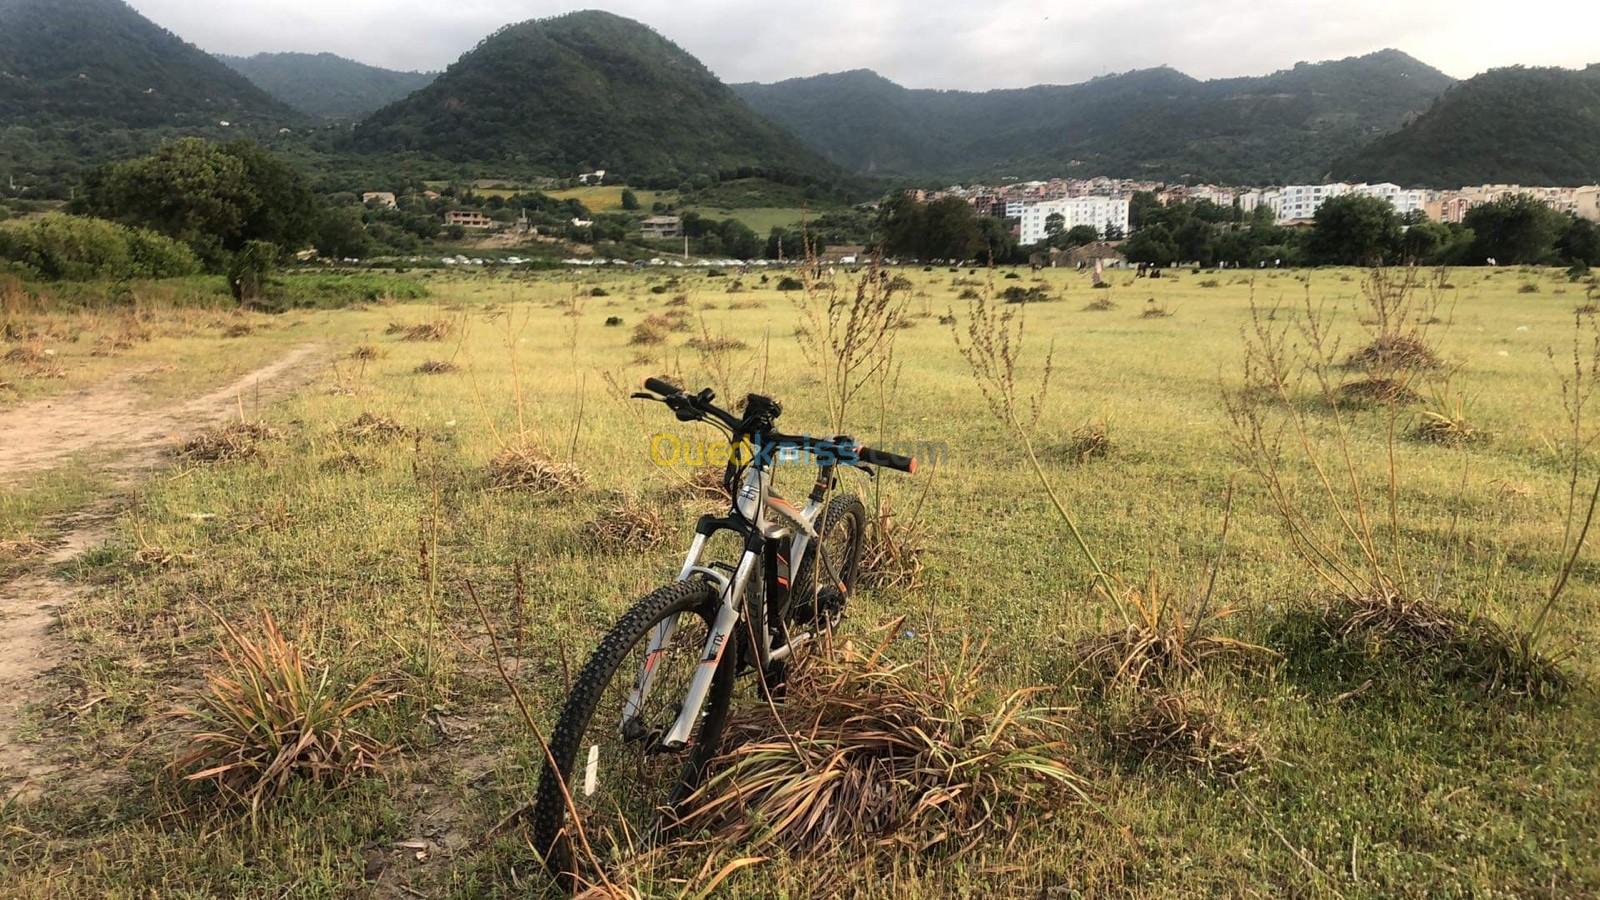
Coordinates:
937 43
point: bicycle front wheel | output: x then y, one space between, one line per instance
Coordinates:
608 773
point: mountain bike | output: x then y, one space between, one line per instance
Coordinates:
645 716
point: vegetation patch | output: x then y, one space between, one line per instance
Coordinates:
625 526
234 441
1375 391
1393 353
1092 440
273 718
437 330
864 752
371 427
1174 732
525 467
437 367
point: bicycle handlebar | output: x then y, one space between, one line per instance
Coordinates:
699 406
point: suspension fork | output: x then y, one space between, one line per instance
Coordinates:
722 634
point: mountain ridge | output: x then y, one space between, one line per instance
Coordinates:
1286 125
596 90
326 85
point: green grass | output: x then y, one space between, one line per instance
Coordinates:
760 219
1410 786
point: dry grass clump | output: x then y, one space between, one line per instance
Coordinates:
1172 731
705 483
236 440
1376 390
437 367
239 330
1408 352
1445 424
1154 310
709 343
437 330
274 718
745 304
27 355
869 753
1091 441
647 333
21 548
365 353
1162 644
892 550
372 427
348 461
1441 642
1102 304
625 526
526 467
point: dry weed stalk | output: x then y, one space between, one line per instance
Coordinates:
1165 644
847 331
993 348
626 526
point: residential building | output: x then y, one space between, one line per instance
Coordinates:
1101 213
468 218
1586 202
598 176
659 227
1404 201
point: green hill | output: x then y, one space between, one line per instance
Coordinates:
585 90
1158 123
327 86
81 62
1537 126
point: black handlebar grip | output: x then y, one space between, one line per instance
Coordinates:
664 388
887 460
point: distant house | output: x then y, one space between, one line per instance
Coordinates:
431 195
657 227
1085 256
382 198
598 176
468 218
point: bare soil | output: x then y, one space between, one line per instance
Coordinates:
109 418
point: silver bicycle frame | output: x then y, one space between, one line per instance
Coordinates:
756 504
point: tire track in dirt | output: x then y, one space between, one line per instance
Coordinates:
37 436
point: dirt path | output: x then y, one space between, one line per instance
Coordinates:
107 416
40 435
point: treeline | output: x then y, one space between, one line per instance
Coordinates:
1357 230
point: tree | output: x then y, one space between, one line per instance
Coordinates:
630 200
79 248
1580 243
1078 235
1354 230
341 234
1153 245
1054 223
214 197
1518 230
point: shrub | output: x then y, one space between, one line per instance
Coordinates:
273 718
788 283
79 248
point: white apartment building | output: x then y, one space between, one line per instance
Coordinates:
1299 202
1102 213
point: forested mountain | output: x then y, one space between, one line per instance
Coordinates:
327 86
81 62
587 89
1158 123
1538 126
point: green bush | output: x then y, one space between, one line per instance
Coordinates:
78 248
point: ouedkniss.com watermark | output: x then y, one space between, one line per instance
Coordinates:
671 450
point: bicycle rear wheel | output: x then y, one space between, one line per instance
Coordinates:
621 787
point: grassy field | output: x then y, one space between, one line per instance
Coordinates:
760 219
1376 776
608 198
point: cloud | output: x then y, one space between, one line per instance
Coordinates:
1002 43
